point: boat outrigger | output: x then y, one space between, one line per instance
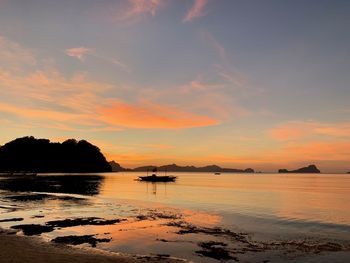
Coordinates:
18 174
155 178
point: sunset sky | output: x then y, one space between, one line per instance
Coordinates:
237 83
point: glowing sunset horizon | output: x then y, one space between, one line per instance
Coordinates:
193 82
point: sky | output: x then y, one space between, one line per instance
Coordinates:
237 83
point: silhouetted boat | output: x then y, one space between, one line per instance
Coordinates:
156 178
18 174
217 173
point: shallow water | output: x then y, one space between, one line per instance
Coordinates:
265 207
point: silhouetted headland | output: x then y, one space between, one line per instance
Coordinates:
309 169
176 168
116 167
41 155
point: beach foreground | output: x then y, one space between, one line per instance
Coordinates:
16 248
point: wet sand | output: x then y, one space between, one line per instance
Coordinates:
20 249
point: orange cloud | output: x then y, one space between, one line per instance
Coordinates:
318 150
79 100
197 10
148 115
46 114
51 100
298 130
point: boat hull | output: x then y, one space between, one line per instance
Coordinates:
157 178
18 175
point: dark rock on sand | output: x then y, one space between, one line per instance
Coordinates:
154 215
82 222
38 216
42 197
186 228
216 250
33 229
307 246
78 240
16 219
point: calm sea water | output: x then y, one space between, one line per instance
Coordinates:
265 206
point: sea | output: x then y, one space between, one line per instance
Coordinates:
201 217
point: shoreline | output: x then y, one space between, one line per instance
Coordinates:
15 248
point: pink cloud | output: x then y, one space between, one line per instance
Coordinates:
138 8
78 52
197 10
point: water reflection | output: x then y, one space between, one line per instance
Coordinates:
70 184
152 187
163 218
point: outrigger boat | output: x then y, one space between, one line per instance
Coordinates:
18 174
155 178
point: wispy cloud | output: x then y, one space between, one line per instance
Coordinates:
136 9
197 10
227 71
13 56
218 47
79 52
199 85
120 64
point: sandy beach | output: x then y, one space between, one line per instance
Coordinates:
16 248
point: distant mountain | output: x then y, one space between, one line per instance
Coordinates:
176 168
309 169
41 155
117 168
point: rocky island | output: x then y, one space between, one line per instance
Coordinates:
43 156
176 168
308 169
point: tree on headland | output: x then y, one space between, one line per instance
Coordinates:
41 155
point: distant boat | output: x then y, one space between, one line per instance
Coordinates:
217 173
155 178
